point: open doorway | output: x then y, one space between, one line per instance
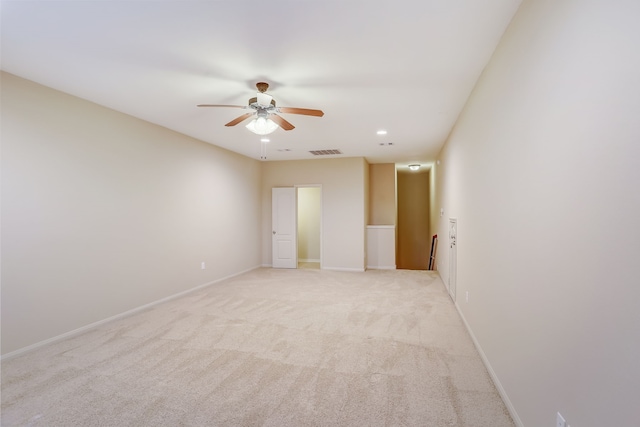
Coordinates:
309 227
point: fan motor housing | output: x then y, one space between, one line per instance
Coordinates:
253 102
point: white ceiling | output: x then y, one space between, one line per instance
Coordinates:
404 66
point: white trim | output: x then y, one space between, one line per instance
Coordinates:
309 260
492 374
359 270
116 317
381 267
266 265
307 185
381 226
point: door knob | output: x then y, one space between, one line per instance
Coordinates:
274 232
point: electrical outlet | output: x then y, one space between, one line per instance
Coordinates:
560 422
203 266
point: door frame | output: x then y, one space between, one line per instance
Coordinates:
297 186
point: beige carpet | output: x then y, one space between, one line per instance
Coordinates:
269 348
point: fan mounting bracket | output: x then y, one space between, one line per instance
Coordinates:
262 87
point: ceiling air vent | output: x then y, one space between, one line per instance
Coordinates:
325 152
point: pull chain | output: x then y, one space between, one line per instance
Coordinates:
263 150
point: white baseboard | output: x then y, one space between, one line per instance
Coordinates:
266 265
492 374
381 267
360 270
308 260
116 317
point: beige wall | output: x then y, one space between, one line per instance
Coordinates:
343 206
542 172
103 213
382 194
309 208
414 239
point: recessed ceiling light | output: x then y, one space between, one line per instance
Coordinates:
382 132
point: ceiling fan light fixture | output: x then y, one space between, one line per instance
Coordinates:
262 126
265 120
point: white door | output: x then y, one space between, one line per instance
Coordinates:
284 248
453 256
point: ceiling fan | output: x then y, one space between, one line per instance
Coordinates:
265 112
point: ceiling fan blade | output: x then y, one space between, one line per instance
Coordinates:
281 122
239 119
303 111
220 105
